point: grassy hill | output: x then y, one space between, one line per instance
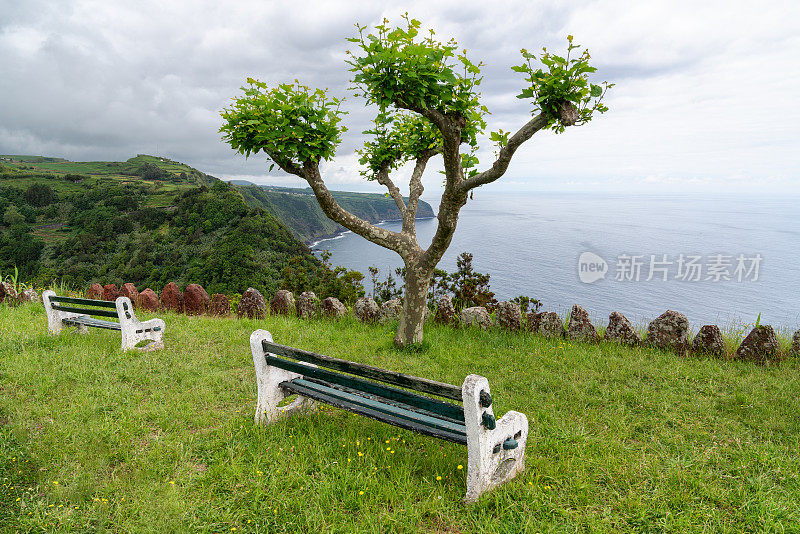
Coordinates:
77 176
148 220
621 439
302 214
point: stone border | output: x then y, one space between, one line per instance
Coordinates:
670 331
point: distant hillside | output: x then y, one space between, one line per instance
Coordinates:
148 220
299 210
163 176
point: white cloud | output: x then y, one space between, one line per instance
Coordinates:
705 95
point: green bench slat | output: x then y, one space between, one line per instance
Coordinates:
85 311
337 398
423 385
96 323
411 400
86 302
391 409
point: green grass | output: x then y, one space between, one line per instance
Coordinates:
51 171
638 440
101 168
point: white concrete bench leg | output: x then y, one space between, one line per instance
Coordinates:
135 331
268 409
55 318
488 467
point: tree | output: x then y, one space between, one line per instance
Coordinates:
304 273
12 216
428 105
150 171
40 195
469 287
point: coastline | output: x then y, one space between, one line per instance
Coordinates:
341 233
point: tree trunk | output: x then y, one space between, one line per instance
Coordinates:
415 304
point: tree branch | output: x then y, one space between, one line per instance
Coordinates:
288 167
436 117
380 236
452 201
452 198
501 164
383 178
415 190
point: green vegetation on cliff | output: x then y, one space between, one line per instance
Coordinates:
148 221
299 210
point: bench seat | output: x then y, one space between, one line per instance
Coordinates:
85 320
378 408
82 313
495 448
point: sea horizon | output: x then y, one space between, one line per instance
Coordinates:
530 244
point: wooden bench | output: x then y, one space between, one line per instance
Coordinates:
495 447
81 313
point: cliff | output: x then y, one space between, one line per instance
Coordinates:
299 211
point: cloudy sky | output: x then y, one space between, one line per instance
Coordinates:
705 98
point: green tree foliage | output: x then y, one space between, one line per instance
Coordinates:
290 122
388 288
12 216
149 171
469 287
21 249
303 274
398 69
466 286
18 246
15 197
397 139
527 303
561 85
39 195
210 236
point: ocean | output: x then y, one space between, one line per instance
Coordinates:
720 259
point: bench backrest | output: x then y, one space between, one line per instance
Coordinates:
366 377
99 308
